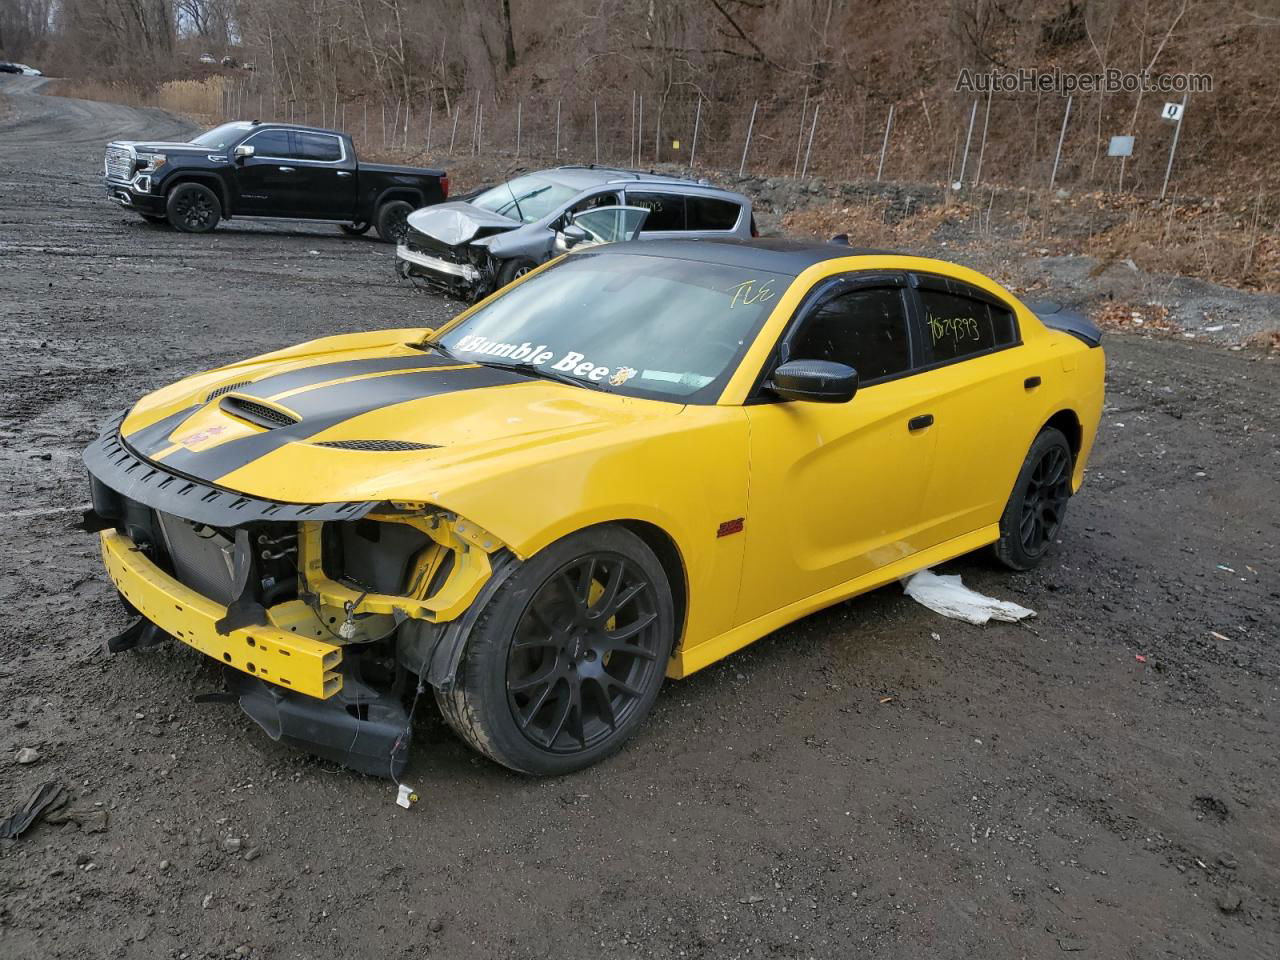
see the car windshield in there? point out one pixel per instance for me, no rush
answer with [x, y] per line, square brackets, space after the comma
[219, 138]
[626, 323]
[525, 198]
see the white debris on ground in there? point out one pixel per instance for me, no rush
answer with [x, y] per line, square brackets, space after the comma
[951, 598]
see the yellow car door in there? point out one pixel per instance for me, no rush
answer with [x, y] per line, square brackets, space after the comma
[837, 488]
[984, 385]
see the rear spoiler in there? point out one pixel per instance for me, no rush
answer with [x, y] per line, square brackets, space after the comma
[1067, 321]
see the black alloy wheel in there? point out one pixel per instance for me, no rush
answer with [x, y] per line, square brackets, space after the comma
[193, 208]
[584, 653]
[1045, 501]
[393, 220]
[1036, 509]
[566, 657]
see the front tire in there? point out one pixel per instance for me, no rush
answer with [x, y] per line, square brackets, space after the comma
[393, 220]
[1038, 505]
[513, 270]
[567, 657]
[193, 208]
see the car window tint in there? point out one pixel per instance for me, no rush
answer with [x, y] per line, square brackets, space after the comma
[609, 199]
[319, 146]
[961, 326]
[666, 210]
[866, 329]
[271, 143]
[711, 213]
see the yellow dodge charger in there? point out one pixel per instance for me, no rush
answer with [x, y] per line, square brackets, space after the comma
[626, 465]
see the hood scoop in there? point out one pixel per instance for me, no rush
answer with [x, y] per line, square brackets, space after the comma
[226, 388]
[376, 446]
[259, 414]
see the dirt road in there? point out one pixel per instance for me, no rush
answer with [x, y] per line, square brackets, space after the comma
[874, 781]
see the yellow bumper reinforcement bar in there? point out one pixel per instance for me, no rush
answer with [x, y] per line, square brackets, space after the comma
[278, 653]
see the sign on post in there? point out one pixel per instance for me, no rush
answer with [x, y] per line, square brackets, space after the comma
[1172, 113]
[1120, 147]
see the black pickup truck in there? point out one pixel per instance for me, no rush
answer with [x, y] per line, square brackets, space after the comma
[277, 170]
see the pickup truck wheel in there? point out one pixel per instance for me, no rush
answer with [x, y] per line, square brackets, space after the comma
[155, 218]
[1038, 504]
[194, 208]
[567, 656]
[355, 229]
[393, 220]
[514, 269]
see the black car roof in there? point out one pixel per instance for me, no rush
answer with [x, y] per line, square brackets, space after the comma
[772, 254]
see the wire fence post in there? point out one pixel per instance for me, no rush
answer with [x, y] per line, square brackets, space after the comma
[457, 112]
[657, 136]
[384, 124]
[640, 133]
[982, 151]
[631, 152]
[804, 171]
[804, 109]
[519, 124]
[1173, 147]
[742, 167]
[405, 144]
[697, 120]
[884, 147]
[364, 137]
[964, 159]
[595, 119]
[431, 116]
[479, 127]
[1062, 135]
[557, 129]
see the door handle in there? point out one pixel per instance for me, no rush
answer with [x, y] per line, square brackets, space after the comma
[286, 169]
[1031, 383]
[920, 422]
[344, 173]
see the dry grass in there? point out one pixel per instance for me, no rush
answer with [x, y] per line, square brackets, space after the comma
[201, 100]
[869, 225]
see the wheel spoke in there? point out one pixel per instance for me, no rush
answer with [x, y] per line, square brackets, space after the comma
[554, 729]
[604, 703]
[630, 630]
[604, 607]
[536, 705]
[528, 683]
[626, 596]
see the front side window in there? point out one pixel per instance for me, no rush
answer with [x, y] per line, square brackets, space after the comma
[625, 323]
[611, 224]
[525, 198]
[272, 144]
[319, 146]
[666, 210]
[865, 329]
[959, 326]
[608, 199]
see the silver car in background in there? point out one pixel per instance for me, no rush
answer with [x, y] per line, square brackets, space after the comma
[472, 246]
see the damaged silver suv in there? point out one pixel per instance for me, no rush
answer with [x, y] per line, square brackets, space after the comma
[472, 246]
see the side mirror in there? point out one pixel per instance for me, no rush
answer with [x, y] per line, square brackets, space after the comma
[820, 381]
[574, 234]
[244, 150]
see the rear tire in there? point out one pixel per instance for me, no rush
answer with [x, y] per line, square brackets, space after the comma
[358, 229]
[513, 270]
[567, 656]
[1033, 516]
[193, 208]
[393, 220]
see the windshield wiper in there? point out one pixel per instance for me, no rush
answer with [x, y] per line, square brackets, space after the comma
[516, 201]
[543, 373]
[438, 347]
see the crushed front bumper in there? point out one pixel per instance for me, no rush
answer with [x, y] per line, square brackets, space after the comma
[279, 653]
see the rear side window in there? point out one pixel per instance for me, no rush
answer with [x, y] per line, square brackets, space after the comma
[866, 329]
[319, 146]
[272, 143]
[666, 210]
[960, 326]
[711, 213]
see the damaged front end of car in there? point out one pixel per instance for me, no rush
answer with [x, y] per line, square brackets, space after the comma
[326, 618]
[448, 248]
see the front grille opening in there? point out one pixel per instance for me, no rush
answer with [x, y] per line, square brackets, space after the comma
[256, 413]
[376, 446]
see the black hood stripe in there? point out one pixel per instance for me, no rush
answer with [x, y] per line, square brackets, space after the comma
[278, 383]
[327, 407]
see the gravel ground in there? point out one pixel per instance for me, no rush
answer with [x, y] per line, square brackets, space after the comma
[873, 781]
